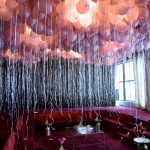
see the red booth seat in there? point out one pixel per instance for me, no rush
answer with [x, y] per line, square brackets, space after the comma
[117, 118]
[9, 143]
[25, 145]
[60, 117]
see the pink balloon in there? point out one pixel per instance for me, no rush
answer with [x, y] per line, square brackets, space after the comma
[71, 36]
[141, 1]
[31, 3]
[22, 28]
[141, 23]
[68, 43]
[34, 35]
[139, 46]
[104, 26]
[48, 31]
[62, 34]
[147, 38]
[146, 45]
[135, 23]
[112, 2]
[36, 14]
[132, 15]
[31, 20]
[53, 42]
[95, 21]
[5, 14]
[121, 26]
[94, 47]
[105, 33]
[136, 32]
[93, 39]
[18, 40]
[38, 27]
[43, 45]
[82, 7]
[20, 1]
[122, 51]
[61, 8]
[143, 12]
[24, 10]
[105, 53]
[16, 20]
[1, 43]
[128, 31]
[51, 22]
[44, 38]
[102, 6]
[11, 4]
[123, 38]
[68, 26]
[101, 41]
[56, 1]
[114, 36]
[77, 24]
[122, 8]
[61, 20]
[9, 31]
[4, 25]
[44, 6]
[145, 20]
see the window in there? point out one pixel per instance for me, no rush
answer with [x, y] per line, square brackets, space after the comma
[125, 81]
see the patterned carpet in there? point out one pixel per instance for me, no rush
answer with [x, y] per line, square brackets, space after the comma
[51, 142]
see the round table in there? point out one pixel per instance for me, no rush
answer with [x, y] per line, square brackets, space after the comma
[142, 143]
[46, 129]
[97, 123]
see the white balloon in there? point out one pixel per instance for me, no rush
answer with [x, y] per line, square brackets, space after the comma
[71, 3]
[72, 15]
[85, 20]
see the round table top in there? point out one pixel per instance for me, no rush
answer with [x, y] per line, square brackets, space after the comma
[97, 120]
[141, 140]
[46, 124]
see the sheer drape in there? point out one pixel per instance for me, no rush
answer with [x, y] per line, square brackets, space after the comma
[140, 80]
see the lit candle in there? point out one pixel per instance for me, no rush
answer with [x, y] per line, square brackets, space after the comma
[134, 128]
[128, 132]
[121, 138]
[140, 123]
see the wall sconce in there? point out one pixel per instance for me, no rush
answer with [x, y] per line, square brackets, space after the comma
[140, 123]
[121, 138]
[51, 139]
[128, 133]
[134, 128]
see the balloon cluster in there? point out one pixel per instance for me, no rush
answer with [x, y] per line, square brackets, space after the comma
[87, 31]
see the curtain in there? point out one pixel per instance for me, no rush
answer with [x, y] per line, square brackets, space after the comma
[140, 80]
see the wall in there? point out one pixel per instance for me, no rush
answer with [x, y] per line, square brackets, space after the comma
[56, 84]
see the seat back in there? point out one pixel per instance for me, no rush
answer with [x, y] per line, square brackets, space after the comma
[19, 122]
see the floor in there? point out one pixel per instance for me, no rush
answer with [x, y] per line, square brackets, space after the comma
[51, 142]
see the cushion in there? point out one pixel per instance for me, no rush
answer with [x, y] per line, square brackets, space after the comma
[21, 144]
[13, 138]
[9, 143]
[19, 123]
[4, 147]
